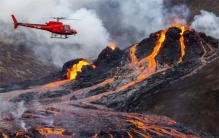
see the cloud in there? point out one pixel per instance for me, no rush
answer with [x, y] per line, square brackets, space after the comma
[206, 22]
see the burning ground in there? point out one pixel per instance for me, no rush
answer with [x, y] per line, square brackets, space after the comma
[92, 99]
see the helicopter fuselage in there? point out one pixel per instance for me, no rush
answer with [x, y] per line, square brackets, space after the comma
[54, 27]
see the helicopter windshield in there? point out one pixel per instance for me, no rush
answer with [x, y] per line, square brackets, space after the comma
[66, 28]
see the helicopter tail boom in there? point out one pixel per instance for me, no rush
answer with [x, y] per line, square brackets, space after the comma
[15, 22]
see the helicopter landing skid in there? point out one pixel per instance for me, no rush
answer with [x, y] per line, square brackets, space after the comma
[58, 36]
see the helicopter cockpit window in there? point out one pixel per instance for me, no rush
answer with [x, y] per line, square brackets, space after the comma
[66, 28]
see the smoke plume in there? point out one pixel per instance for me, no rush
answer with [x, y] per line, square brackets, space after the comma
[206, 22]
[18, 111]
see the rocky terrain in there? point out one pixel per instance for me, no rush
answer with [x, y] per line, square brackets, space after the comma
[91, 99]
[18, 63]
[189, 100]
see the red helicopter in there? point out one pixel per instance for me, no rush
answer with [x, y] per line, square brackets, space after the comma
[55, 27]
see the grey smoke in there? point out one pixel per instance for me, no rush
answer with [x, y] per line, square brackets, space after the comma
[133, 20]
[38, 106]
[23, 125]
[18, 110]
[179, 14]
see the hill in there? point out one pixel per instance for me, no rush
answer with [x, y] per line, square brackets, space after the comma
[192, 101]
[18, 63]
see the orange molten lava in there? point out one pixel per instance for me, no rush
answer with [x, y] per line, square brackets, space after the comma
[95, 136]
[182, 44]
[151, 58]
[160, 131]
[151, 63]
[21, 134]
[112, 46]
[134, 59]
[130, 136]
[50, 131]
[54, 84]
[4, 136]
[73, 72]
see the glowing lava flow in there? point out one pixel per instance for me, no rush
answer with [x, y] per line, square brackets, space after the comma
[146, 66]
[130, 136]
[147, 71]
[51, 131]
[134, 59]
[151, 58]
[54, 84]
[73, 72]
[182, 44]
[4, 136]
[160, 131]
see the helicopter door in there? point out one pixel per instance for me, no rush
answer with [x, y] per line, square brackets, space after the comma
[66, 28]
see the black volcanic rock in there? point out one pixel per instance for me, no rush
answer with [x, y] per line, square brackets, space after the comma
[108, 56]
[18, 63]
[210, 40]
[192, 101]
[170, 51]
[145, 47]
[194, 48]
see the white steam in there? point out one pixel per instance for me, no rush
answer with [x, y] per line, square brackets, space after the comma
[206, 22]
[92, 37]
[37, 106]
[144, 15]
[18, 111]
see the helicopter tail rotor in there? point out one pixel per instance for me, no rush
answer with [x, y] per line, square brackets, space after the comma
[15, 21]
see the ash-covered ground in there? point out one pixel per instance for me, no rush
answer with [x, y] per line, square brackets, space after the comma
[93, 99]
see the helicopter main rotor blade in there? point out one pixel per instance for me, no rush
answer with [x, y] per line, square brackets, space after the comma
[58, 17]
[63, 18]
[71, 19]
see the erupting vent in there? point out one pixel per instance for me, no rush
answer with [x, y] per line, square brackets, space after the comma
[112, 46]
[72, 72]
